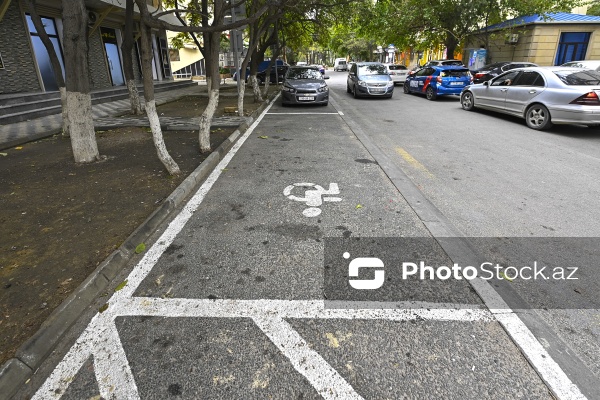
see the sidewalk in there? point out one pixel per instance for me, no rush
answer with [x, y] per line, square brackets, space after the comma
[106, 116]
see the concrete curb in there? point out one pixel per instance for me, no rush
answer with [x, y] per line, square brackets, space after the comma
[34, 351]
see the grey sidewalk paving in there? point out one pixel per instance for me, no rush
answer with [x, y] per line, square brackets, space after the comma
[106, 116]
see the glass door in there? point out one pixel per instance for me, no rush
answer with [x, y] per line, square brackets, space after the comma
[41, 54]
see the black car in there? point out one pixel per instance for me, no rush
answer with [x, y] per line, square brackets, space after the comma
[492, 70]
[275, 76]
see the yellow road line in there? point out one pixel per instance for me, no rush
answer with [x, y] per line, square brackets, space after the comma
[413, 162]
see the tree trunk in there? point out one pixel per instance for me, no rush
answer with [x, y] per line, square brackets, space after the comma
[451, 44]
[241, 99]
[255, 89]
[213, 81]
[78, 98]
[127, 50]
[157, 136]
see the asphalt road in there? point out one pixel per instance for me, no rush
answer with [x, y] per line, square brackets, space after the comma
[238, 297]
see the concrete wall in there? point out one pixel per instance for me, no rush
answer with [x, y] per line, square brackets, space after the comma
[19, 73]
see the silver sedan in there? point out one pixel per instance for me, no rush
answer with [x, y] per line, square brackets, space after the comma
[542, 95]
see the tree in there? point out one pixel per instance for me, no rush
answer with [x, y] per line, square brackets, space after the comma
[446, 22]
[78, 97]
[127, 50]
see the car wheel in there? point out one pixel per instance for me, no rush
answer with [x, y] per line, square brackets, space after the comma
[354, 92]
[406, 88]
[430, 93]
[538, 117]
[466, 101]
[348, 88]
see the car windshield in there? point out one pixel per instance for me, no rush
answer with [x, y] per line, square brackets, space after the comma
[396, 67]
[492, 66]
[579, 78]
[373, 69]
[304, 73]
[454, 73]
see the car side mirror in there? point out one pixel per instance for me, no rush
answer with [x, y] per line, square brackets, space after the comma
[486, 83]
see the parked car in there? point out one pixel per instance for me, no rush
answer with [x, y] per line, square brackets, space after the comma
[491, 70]
[320, 68]
[261, 68]
[438, 81]
[304, 85]
[433, 63]
[340, 64]
[542, 95]
[397, 72]
[590, 64]
[369, 79]
[276, 75]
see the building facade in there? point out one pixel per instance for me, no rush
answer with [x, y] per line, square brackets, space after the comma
[25, 65]
[544, 40]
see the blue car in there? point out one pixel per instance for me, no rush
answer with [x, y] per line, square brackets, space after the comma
[439, 80]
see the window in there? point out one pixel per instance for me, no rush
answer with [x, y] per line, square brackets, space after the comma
[505, 79]
[572, 47]
[529, 78]
[41, 54]
[586, 77]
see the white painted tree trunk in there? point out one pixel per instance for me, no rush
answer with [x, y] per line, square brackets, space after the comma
[206, 120]
[134, 98]
[266, 89]
[65, 115]
[157, 138]
[255, 89]
[81, 127]
[242, 90]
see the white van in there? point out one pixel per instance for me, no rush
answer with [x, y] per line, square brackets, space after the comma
[340, 64]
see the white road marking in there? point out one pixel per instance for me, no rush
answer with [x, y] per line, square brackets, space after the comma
[322, 376]
[313, 197]
[113, 373]
[340, 113]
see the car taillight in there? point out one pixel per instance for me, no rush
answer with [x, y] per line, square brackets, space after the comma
[588, 99]
[439, 79]
[479, 75]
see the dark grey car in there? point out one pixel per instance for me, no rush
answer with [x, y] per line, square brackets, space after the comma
[369, 79]
[304, 85]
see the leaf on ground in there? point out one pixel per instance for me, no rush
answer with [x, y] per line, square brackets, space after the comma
[19, 148]
[358, 206]
[121, 285]
[263, 137]
[505, 277]
[140, 248]
[103, 308]
[3, 154]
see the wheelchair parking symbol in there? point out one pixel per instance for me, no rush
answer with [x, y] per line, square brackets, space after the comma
[313, 197]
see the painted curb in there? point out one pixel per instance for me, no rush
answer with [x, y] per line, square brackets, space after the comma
[30, 356]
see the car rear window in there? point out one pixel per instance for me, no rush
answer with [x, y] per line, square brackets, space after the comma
[452, 63]
[374, 69]
[456, 73]
[341, 62]
[397, 67]
[579, 78]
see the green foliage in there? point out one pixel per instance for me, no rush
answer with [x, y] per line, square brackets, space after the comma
[594, 8]
[140, 248]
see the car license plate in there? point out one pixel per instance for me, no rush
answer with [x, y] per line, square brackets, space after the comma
[456, 83]
[377, 90]
[305, 98]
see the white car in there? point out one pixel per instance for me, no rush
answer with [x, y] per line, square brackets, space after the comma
[397, 72]
[543, 96]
